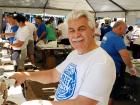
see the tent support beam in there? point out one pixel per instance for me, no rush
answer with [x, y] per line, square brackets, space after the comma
[118, 5]
[20, 7]
[45, 6]
[107, 11]
[92, 8]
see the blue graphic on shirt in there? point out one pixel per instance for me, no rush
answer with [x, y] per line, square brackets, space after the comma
[67, 85]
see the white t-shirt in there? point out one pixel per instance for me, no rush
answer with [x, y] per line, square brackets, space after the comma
[63, 28]
[112, 23]
[127, 37]
[137, 33]
[32, 28]
[22, 34]
[8, 28]
[91, 75]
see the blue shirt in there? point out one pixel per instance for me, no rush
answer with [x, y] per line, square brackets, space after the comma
[40, 29]
[13, 29]
[104, 30]
[112, 44]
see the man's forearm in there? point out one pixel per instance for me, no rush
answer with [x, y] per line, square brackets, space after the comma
[77, 101]
[126, 58]
[127, 61]
[43, 35]
[47, 76]
[9, 34]
[16, 45]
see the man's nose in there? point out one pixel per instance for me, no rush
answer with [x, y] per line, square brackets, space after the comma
[77, 34]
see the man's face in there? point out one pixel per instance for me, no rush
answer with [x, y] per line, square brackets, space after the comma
[12, 21]
[38, 21]
[123, 29]
[80, 35]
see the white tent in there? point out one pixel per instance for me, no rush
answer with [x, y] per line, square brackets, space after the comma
[106, 8]
[97, 6]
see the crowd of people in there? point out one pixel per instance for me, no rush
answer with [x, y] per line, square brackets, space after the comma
[131, 36]
[24, 35]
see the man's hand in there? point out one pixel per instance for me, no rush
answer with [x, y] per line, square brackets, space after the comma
[2, 35]
[133, 71]
[19, 77]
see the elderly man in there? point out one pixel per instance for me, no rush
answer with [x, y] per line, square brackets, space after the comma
[113, 43]
[86, 76]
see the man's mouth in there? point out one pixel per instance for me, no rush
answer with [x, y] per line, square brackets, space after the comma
[77, 39]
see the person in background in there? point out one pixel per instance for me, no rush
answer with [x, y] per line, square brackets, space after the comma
[52, 20]
[84, 76]
[136, 42]
[97, 31]
[14, 27]
[4, 22]
[41, 30]
[62, 30]
[19, 46]
[32, 37]
[128, 38]
[113, 22]
[7, 27]
[50, 30]
[114, 45]
[62, 33]
[102, 25]
[106, 28]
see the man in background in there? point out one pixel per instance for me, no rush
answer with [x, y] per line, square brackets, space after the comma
[113, 44]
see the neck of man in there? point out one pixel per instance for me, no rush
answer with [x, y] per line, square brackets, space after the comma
[22, 25]
[91, 47]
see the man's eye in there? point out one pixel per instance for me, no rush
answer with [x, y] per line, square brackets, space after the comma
[71, 31]
[81, 29]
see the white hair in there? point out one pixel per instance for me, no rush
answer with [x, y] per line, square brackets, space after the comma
[75, 14]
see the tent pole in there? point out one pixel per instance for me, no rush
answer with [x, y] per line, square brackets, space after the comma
[45, 7]
[92, 8]
[117, 5]
[126, 12]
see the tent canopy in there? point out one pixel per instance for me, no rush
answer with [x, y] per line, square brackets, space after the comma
[91, 5]
[129, 9]
[101, 8]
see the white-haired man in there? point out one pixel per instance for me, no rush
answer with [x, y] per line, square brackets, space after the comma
[86, 76]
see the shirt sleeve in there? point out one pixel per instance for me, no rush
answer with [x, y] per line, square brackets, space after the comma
[43, 28]
[14, 29]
